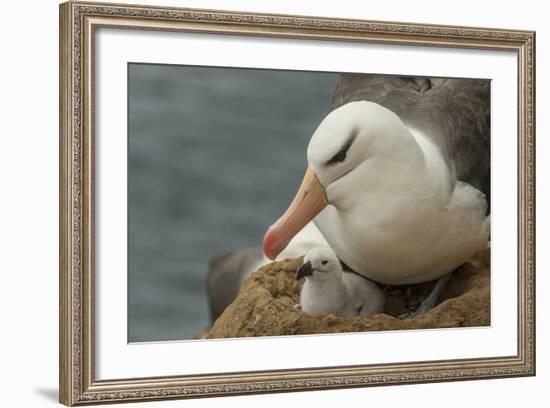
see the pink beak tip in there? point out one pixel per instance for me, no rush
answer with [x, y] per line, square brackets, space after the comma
[267, 244]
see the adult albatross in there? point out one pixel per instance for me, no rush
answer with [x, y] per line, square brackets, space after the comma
[401, 181]
[398, 179]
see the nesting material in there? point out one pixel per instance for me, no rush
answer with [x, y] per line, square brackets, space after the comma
[265, 305]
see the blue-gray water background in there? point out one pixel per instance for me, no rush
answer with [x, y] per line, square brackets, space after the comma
[215, 155]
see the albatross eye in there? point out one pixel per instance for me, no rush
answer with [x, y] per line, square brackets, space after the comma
[324, 262]
[338, 157]
[341, 155]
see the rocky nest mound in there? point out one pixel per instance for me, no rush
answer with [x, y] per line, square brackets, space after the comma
[265, 305]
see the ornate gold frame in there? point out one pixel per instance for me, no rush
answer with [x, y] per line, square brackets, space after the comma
[78, 22]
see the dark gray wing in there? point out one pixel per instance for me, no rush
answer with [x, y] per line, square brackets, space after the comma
[454, 113]
[225, 275]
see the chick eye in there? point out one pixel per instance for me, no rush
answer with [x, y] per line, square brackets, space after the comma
[324, 262]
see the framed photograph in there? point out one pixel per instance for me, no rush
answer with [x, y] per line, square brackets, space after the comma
[255, 203]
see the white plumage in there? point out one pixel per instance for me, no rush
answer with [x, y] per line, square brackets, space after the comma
[384, 199]
[397, 215]
[329, 289]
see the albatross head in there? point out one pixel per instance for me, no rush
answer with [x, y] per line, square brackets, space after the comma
[355, 148]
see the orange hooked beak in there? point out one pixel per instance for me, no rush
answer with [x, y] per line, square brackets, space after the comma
[308, 202]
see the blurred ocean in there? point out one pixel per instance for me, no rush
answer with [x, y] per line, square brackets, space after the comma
[215, 155]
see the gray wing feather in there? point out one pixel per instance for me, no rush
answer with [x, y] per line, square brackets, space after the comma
[454, 113]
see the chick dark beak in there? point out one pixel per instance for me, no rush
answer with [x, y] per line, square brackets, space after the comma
[304, 270]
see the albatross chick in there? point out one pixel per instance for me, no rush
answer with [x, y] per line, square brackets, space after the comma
[328, 288]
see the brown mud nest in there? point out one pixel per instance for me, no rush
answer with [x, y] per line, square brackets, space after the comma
[265, 305]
